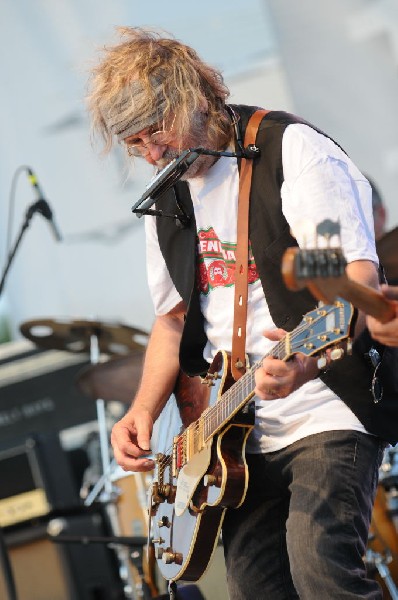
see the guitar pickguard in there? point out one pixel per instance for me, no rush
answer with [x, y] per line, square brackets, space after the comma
[189, 478]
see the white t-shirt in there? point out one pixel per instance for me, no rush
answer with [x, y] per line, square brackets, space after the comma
[320, 182]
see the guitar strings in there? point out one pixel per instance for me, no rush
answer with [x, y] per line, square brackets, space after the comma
[239, 389]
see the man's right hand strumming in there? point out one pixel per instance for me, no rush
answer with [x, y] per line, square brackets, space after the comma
[132, 434]
[131, 440]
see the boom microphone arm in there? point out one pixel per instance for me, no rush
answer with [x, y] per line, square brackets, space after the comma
[168, 176]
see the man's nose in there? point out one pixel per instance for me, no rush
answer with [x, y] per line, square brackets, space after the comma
[154, 153]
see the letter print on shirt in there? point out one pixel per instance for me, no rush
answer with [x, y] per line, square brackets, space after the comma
[217, 262]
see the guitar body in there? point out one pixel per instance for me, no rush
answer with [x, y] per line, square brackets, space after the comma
[186, 521]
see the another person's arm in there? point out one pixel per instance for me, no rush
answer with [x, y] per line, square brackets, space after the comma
[386, 333]
[131, 435]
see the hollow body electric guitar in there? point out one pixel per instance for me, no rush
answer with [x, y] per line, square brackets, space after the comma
[205, 472]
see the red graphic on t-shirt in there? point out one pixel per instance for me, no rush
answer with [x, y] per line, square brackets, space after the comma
[217, 262]
[217, 273]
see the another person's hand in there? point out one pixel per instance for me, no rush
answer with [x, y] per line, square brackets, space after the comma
[277, 378]
[131, 440]
[386, 333]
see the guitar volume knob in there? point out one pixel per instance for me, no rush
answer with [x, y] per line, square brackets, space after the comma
[169, 557]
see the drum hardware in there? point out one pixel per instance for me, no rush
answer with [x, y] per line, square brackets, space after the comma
[102, 382]
[115, 339]
[388, 479]
[119, 499]
[392, 505]
[388, 473]
[116, 379]
[6, 567]
[108, 494]
[134, 545]
[378, 561]
[382, 553]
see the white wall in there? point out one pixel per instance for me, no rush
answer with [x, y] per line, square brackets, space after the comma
[341, 62]
[46, 47]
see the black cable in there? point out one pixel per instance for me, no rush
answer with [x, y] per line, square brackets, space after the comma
[7, 569]
[11, 205]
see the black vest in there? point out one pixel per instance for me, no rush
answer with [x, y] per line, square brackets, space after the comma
[350, 378]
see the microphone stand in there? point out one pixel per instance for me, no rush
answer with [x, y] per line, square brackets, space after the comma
[38, 206]
[4, 558]
[7, 569]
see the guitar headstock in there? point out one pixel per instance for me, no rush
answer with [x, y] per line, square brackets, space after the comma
[322, 328]
[323, 271]
[318, 267]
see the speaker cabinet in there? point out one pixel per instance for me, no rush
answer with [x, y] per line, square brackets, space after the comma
[45, 570]
[36, 479]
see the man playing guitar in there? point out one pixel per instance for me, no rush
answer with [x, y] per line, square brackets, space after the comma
[313, 455]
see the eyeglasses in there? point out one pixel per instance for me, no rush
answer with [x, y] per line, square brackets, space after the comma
[158, 138]
[376, 386]
[137, 147]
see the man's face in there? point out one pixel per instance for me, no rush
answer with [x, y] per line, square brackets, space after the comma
[152, 144]
[159, 147]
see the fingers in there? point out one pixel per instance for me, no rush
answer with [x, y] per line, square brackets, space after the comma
[278, 379]
[130, 440]
[274, 334]
[386, 333]
[390, 291]
[270, 379]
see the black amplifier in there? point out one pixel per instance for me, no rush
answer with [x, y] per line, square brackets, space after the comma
[38, 391]
[36, 480]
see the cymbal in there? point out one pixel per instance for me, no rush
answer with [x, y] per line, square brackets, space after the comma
[77, 335]
[116, 379]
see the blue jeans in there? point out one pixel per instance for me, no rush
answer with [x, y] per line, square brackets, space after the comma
[302, 530]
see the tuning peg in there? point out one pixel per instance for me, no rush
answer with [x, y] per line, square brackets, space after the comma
[322, 362]
[336, 353]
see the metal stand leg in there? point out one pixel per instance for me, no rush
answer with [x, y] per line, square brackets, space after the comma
[5, 564]
[105, 483]
[172, 589]
[379, 562]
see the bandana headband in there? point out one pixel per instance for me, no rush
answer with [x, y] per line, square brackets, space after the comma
[129, 113]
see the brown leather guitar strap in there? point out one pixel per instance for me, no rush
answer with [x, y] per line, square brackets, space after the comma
[238, 359]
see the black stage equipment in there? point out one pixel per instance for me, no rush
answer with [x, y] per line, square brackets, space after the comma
[38, 391]
[44, 570]
[36, 480]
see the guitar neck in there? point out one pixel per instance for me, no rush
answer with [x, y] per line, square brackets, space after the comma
[235, 398]
[367, 299]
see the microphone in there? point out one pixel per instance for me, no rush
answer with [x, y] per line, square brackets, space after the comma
[163, 181]
[42, 205]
